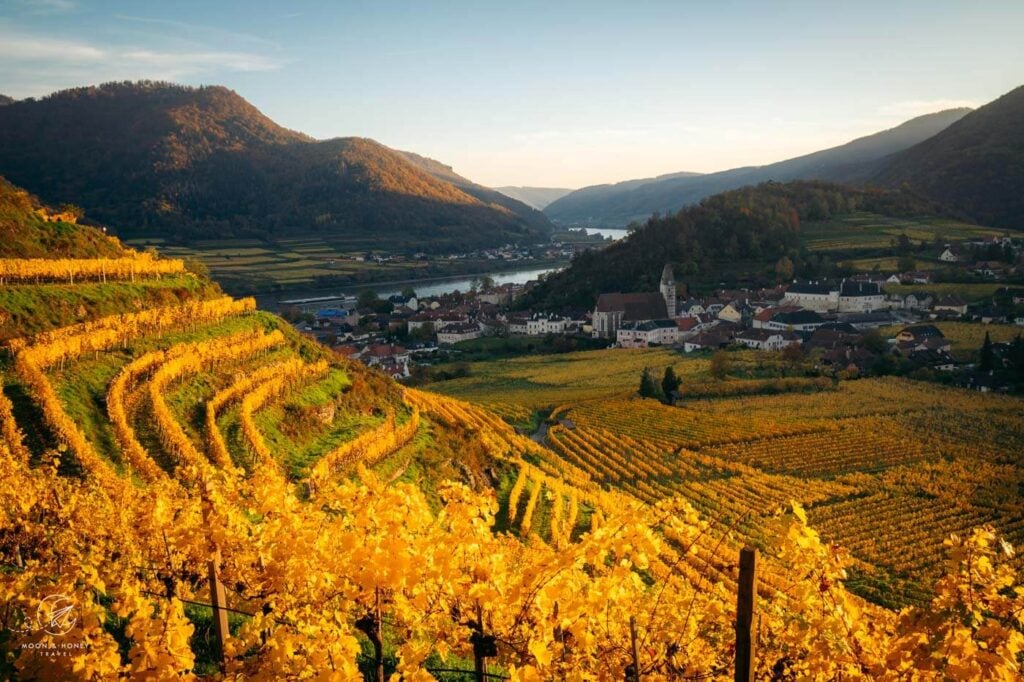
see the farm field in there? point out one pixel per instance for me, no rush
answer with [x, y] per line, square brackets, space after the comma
[869, 459]
[870, 231]
[966, 337]
[250, 265]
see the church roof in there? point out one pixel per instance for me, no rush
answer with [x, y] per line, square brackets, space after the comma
[666, 275]
[635, 307]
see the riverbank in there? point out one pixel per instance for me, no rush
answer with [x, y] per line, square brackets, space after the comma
[424, 286]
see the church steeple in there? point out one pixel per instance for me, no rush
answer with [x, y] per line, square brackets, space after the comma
[668, 289]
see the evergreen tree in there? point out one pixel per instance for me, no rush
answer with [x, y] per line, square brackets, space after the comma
[669, 383]
[1016, 358]
[648, 386]
[988, 359]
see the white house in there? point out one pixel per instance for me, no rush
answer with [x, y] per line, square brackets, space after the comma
[643, 334]
[792, 320]
[454, 333]
[389, 358]
[541, 325]
[518, 326]
[767, 339]
[948, 256]
[950, 303]
[731, 313]
[860, 297]
[821, 297]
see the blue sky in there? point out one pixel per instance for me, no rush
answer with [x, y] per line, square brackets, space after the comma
[544, 93]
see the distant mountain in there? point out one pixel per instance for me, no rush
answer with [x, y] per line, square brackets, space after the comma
[4, 99]
[975, 166]
[538, 197]
[620, 204]
[599, 205]
[529, 213]
[157, 159]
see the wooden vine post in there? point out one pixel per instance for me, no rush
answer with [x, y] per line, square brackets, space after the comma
[746, 603]
[218, 601]
[370, 625]
[633, 671]
[484, 647]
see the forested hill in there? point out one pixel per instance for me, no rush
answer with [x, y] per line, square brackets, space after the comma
[752, 227]
[163, 160]
[975, 166]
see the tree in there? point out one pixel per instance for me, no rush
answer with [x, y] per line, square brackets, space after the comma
[720, 364]
[987, 361]
[1016, 358]
[793, 354]
[784, 269]
[872, 340]
[648, 386]
[903, 245]
[906, 263]
[669, 383]
[367, 298]
[408, 293]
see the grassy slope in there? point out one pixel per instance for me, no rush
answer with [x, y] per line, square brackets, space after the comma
[30, 309]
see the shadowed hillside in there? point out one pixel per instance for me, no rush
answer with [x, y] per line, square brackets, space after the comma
[975, 166]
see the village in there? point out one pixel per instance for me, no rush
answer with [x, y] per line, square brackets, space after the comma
[832, 318]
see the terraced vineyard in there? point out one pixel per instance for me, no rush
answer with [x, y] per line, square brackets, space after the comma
[853, 456]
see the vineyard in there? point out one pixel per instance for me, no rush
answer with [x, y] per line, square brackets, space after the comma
[864, 459]
[216, 495]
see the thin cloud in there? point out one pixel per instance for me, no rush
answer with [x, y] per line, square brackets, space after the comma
[191, 29]
[199, 62]
[47, 6]
[920, 107]
[35, 65]
[17, 48]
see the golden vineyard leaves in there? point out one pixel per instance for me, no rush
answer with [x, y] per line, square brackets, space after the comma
[301, 569]
[81, 269]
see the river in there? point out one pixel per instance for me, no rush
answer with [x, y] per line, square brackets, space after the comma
[614, 233]
[435, 286]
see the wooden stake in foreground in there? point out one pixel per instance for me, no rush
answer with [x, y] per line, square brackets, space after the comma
[218, 600]
[746, 600]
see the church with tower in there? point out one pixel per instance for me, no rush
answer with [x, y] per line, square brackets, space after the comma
[615, 310]
[668, 290]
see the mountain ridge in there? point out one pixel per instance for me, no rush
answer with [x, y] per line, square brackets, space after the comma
[975, 166]
[157, 159]
[537, 197]
[635, 200]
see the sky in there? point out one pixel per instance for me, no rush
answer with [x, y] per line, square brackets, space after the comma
[552, 94]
